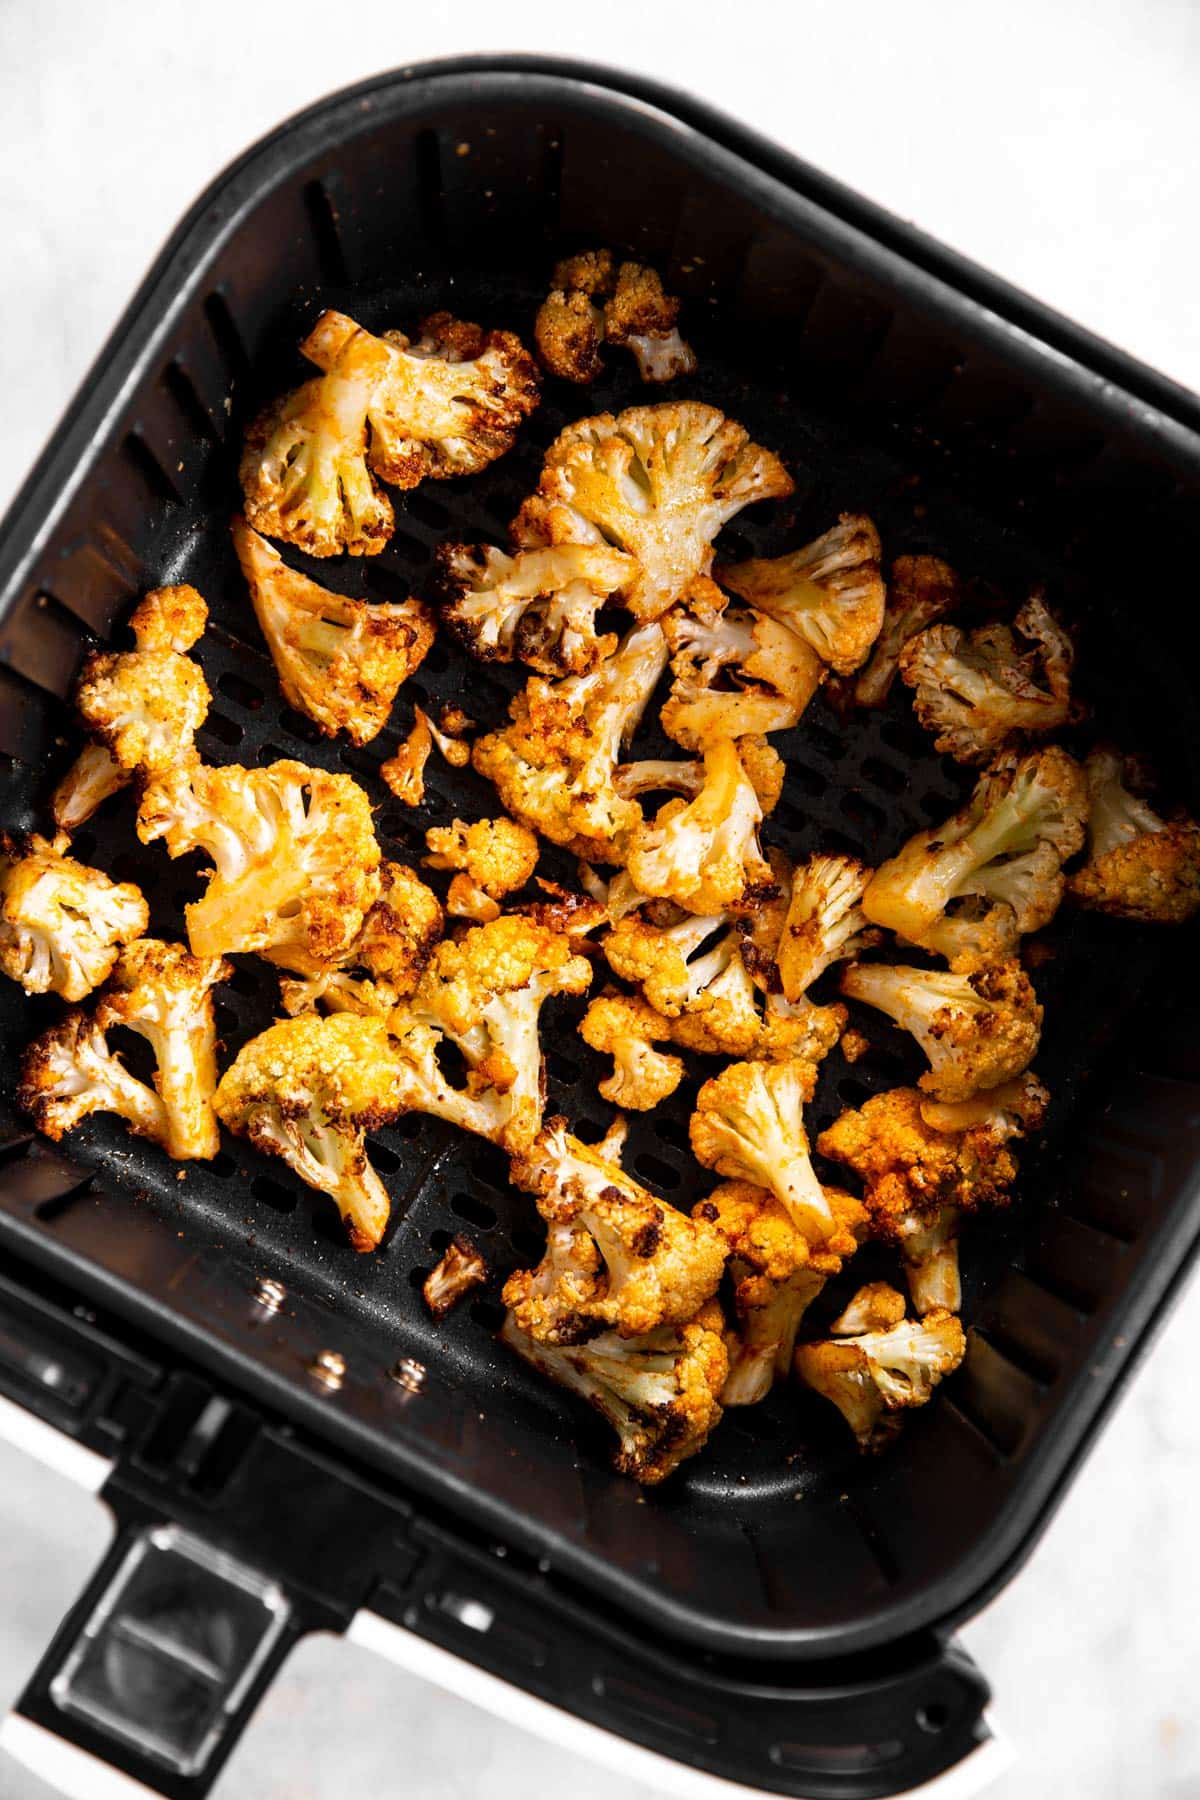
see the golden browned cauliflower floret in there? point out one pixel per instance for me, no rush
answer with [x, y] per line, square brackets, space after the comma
[627, 1029]
[830, 593]
[296, 864]
[92, 778]
[736, 672]
[142, 708]
[694, 973]
[825, 922]
[539, 605]
[977, 1030]
[686, 775]
[448, 404]
[981, 690]
[309, 1090]
[776, 1276]
[340, 662]
[704, 853]
[460, 1268]
[484, 995]
[404, 770]
[658, 482]
[922, 589]
[70, 1071]
[923, 1164]
[61, 922]
[1138, 866]
[304, 470]
[873, 1371]
[651, 1265]
[593, 301]
[749, 1126]
[659, 1392]
[1005, 847]
[553, 764]
[164, 994]
[386, 959]
[494, 857]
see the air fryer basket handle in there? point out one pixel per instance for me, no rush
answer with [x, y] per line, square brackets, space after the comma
[156, 1670]
[985, 1754]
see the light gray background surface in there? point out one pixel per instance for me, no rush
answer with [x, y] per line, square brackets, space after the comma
[1055, 143]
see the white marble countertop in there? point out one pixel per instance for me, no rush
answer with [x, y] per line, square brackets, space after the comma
[1055, 144]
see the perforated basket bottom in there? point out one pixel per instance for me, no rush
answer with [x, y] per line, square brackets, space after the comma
[861, 785]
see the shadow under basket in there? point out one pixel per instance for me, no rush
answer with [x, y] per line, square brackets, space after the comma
[778, 1613]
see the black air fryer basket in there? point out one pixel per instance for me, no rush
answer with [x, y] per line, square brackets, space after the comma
[286, 1438]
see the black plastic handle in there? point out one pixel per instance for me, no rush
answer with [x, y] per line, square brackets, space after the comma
[159, 1665]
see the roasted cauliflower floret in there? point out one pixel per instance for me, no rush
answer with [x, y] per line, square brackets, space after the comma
[656, 1266]
[922, 589]
[1138, 866]
[627, 1029]
[142, 707]
[92, 778]
[164, 994]
[663, 960]
[749, 1126]
[694, 974]
[340, 662]
[494, 857]
[736, 672]
[830, 593]
[922, 1164]
[146, 705]
[460, 1268]
[1007, 845]
[981, 690]
[70, 1071]
[304, 470]
[977, 1030]
[448, 404]
[825, 922]
[658, 482]
[704, 853]
[776, 1276]
[61, 923]
[309, 1090]
[296, 864]
[873, 1372]
[539, 605]
[660, 1392]
[483, 995]
[404, 770]
[553, 765]
[386, 959]
[593, 301]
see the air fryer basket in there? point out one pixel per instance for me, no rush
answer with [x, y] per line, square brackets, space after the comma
[967, 424]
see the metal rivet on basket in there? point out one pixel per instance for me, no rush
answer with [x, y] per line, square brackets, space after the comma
[329, 1368]
[408, 1373]
[270, 1294]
